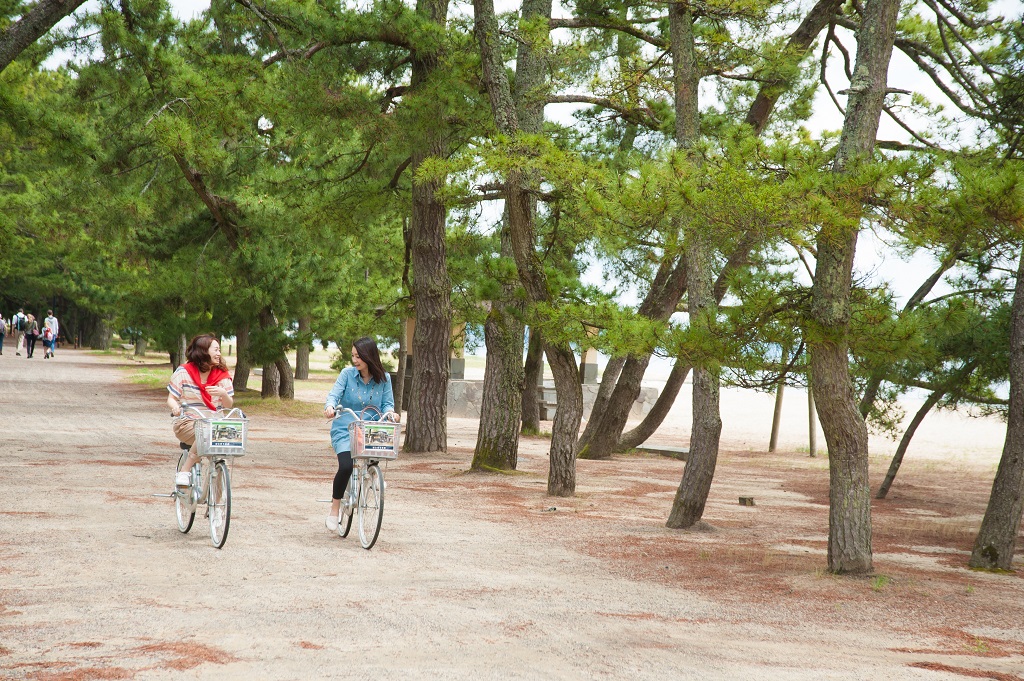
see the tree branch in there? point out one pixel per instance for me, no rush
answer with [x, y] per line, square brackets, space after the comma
[32, 25]
[641, 116]
[610, 24]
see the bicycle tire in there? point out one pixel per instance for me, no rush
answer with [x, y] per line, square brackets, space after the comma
[371, 506]
[184, 509]
[218, 502]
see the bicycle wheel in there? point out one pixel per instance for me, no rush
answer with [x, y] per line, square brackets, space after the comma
[371, 506]
[183, 506]
[219, 504]
[345, 523]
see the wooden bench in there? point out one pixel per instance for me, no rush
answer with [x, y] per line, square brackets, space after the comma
[664, 450]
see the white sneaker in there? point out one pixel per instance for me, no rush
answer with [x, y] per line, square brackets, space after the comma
[332, 523]
[182, 479]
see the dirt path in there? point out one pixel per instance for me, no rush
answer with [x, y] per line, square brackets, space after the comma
[474, 577]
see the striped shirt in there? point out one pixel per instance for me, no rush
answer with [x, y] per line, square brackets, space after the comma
[184, 388]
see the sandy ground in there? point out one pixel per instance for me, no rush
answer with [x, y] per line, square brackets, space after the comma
[474, 576]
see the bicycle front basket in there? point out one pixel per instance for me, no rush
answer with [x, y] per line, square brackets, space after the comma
[221, 437]
[375, 439]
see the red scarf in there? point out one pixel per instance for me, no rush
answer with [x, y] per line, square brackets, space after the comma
[216, 374]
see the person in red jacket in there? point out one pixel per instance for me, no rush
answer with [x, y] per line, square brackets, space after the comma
[202, 382]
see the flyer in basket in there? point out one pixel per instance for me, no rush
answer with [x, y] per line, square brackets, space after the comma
[379, 437]
[227, 434]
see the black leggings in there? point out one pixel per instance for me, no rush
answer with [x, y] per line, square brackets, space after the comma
[30, 344]
[342, 476]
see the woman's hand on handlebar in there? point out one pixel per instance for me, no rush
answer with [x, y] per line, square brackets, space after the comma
[329, 412]
[173, 405]
[392, 416]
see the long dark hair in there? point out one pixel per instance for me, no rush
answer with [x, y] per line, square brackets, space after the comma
[366, 348]
[198, 353]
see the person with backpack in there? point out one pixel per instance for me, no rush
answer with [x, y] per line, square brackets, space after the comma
[18, 323]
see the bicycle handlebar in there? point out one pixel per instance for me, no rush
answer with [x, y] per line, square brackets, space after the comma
[383, 416]
[233, 413]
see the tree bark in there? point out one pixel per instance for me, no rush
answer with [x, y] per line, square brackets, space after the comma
[32, 26]
[532, 372]
[497, 440]
[303, 349]
[427, 429]
[243, 363]
[692, 495]
[270, 386]
[98, 334]
[498, 436]
[518, 200]
[403, 356]
[994, 545]
[849, 544]
[286, 381]
[773, 440]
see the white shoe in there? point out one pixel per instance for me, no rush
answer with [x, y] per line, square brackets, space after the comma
[182, 479]
[332, 523]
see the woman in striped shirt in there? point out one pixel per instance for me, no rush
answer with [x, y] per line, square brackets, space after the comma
[202, 382]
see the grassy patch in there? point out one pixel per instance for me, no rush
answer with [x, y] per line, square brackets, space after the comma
[879, 582]
[256, 405]
[151, 377]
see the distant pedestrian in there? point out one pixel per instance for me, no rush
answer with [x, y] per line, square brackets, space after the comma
[51, 330]
[31, 335]
[18, 323]
[3, 332]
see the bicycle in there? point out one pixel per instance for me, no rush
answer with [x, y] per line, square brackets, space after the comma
[219, 439]
[372, 442]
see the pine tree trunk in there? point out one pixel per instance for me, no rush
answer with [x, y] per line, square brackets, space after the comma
[519, 203]
[286, 379]
[994, 545]
[497, 441]
[427, 429]
[849, 544]
[303, 349]
[566, 425]
[98, 333]
[532, 371]
[897, 459]
[140, 346]
[609, 379]
[692, 495]
[639, 435]
[428, 408]
[399, 386]
[270, 386]
[182, 348]
[498, 435]
[243, 363]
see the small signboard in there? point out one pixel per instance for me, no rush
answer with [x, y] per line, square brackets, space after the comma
[227, 434]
